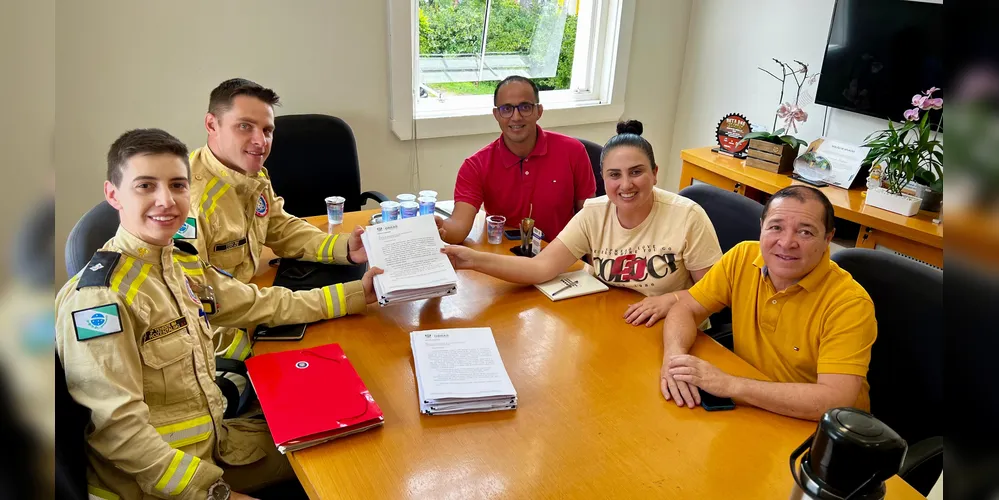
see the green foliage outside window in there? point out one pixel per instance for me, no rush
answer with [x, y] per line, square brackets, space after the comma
[449, 28]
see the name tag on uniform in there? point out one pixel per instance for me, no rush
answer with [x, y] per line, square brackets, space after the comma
[165, 329]
[221, 247]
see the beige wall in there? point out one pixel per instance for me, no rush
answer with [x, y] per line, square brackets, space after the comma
[727, 41]
[123, 65]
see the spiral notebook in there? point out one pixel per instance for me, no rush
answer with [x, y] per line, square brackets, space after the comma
[572, 284]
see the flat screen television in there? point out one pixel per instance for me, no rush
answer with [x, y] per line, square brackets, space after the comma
[879, 54]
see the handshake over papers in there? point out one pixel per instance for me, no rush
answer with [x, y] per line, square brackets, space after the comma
[409, 251]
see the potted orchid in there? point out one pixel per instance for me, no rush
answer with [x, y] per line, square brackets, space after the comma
[775, 151]
[901, 155]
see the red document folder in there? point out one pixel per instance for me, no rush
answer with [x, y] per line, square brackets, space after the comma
[310, 396]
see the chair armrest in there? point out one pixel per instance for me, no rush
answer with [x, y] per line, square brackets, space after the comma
[373, 195]
[231, 394]
[923, 464]
[230, 365]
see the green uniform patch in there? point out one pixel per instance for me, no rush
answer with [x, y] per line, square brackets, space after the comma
[96, 322]
[188, 231]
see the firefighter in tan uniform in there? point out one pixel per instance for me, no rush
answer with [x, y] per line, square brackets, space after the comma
[234, 211]
[134, 333]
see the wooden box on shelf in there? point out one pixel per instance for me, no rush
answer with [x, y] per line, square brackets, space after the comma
[776, 158]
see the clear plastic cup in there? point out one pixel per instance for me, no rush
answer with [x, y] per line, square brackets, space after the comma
[427, 205]
[405, 197]
[426, 193]
[494, 228]
[334, 209]
[390, 210]
[409, 209]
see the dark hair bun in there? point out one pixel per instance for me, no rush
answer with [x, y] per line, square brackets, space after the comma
[630, 127]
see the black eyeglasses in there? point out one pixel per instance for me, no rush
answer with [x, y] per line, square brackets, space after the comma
[525, 108]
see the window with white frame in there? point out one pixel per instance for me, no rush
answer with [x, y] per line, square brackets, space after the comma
[457, 51]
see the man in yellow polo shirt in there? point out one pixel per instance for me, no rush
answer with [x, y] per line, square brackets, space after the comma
[796, 316]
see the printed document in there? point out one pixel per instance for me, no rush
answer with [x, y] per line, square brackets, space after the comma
[460, 371]
[408, 250]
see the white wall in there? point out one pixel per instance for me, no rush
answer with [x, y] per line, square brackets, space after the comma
[727, 41]
[124, 65]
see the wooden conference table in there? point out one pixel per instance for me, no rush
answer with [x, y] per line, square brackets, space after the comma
[591, 422]
[915, 236]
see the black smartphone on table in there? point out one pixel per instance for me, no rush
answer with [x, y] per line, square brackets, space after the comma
[283, 332]
[710, 402]
[512, 234]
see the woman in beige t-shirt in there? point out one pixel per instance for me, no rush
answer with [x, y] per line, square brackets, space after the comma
[637, 235]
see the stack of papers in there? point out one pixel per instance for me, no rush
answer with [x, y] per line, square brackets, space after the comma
[409, 251]
[572, 284]
[311, 396]
[459, 370]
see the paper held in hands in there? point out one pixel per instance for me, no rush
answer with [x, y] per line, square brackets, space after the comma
[571, 284]
[409, 251]
[459, 370]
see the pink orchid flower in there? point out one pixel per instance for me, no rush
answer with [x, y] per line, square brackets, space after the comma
[918, 100]
[800, 115]
[931, 91]
[934, 103]
[912, 114]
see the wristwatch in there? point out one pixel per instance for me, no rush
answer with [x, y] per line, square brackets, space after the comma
[219, 491]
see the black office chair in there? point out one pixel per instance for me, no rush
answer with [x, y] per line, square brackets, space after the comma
[593, 150]
[906, 369]
[90, 233]
[735, 219]
[315, 156]
[70, 443]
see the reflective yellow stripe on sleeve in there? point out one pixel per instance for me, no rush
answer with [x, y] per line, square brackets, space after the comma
[322, 246]
[329, 303]
[187, 432]
[343, 299]
[95, 493]
[178, 474]
[239, 348]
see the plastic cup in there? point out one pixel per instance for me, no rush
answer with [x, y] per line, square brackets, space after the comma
[494, 228]
[405, 197]
[426, 193]
[390, 210]
[409, 209]
[427, 204]
[334, 209]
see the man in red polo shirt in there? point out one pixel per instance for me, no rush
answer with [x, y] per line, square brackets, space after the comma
[526, 170]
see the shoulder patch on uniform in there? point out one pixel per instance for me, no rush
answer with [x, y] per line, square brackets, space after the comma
[96, 322]
[98, 271]
[165, 329]
[188, 231]
[262, 206]
[185, 247]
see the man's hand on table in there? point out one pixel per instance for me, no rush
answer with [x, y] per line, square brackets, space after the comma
[681, 392]
[696, 372]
